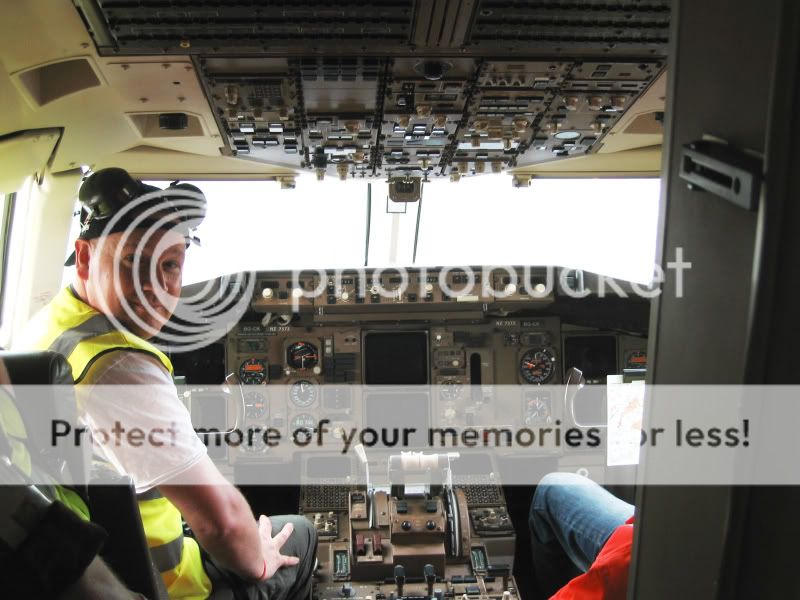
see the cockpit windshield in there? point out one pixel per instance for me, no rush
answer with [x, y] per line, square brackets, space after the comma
[606, 226]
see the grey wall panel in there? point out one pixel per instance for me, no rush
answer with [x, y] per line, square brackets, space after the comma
[720, 70]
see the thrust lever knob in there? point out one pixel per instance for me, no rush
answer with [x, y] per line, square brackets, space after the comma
[400, 578]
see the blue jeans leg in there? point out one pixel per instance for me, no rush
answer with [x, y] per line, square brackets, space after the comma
[571, 518]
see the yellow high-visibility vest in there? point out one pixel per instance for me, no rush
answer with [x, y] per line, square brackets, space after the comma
[81, 334]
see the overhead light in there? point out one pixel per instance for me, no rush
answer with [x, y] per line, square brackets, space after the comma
[567, 135]
[173, 121]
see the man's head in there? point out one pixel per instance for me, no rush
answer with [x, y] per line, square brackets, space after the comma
[130, 254]
[133, 277]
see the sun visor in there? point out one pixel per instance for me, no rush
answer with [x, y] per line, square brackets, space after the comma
[24, 153]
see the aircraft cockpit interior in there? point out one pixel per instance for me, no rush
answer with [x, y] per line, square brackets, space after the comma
[438, 251]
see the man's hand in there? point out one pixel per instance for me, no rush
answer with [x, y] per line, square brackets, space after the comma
[271, 546]
[220, 517]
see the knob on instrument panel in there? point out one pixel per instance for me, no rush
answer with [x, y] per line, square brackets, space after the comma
[400, 577]
[430, 578]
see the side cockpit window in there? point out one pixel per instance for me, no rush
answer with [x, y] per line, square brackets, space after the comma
[6, 212]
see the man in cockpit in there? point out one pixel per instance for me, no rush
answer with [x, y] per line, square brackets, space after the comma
[128, 262]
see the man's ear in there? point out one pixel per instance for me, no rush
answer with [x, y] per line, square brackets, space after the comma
[83, 253]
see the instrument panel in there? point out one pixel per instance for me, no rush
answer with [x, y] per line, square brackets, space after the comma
[296, 375]
[489, 360]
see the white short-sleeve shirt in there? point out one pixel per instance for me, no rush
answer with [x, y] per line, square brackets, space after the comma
[131, 406]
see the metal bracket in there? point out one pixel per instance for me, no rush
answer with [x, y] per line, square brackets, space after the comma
[723, 170]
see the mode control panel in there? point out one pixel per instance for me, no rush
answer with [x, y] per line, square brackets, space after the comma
[406, 291]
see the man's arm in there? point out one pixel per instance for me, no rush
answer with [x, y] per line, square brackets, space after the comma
[219, 516]
[224, 524]
[135, 390]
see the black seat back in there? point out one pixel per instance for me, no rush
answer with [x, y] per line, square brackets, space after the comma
[43, 396]
[115, 508]
[42, 392]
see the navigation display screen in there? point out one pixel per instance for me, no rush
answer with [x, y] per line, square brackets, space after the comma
[396, 358]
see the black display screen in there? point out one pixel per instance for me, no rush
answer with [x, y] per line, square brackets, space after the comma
[396, 358]
[595, 355]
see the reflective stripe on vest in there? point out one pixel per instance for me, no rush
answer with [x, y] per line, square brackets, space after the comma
[166, 556]
[71, 327]
[78, 332]
[176, 557]
[66, 343]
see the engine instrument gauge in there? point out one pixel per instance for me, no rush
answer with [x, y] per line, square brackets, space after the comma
[255, 405]
[537, 365]
[302, 355]
[303, 393]
[254, 444]
[301, 427]
[450, 390]
[253, 371]
[537, 408]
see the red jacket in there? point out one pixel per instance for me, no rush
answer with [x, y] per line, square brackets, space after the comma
[607, 578]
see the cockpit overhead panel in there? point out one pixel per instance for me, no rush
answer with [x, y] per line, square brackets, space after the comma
[387, 28]
[401, 89]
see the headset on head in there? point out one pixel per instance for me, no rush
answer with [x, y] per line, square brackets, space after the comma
[106, 192]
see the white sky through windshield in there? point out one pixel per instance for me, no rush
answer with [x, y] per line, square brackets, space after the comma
[607, 226]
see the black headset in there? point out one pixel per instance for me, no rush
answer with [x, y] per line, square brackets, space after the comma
[107, 191]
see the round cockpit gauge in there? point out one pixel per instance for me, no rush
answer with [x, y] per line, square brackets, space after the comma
[537, 365]
[255, 405]
[302, 355]
[303, 393]
[301, 428]
[254, 443]
[253, 371]
[537, 410]
[636, 360]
